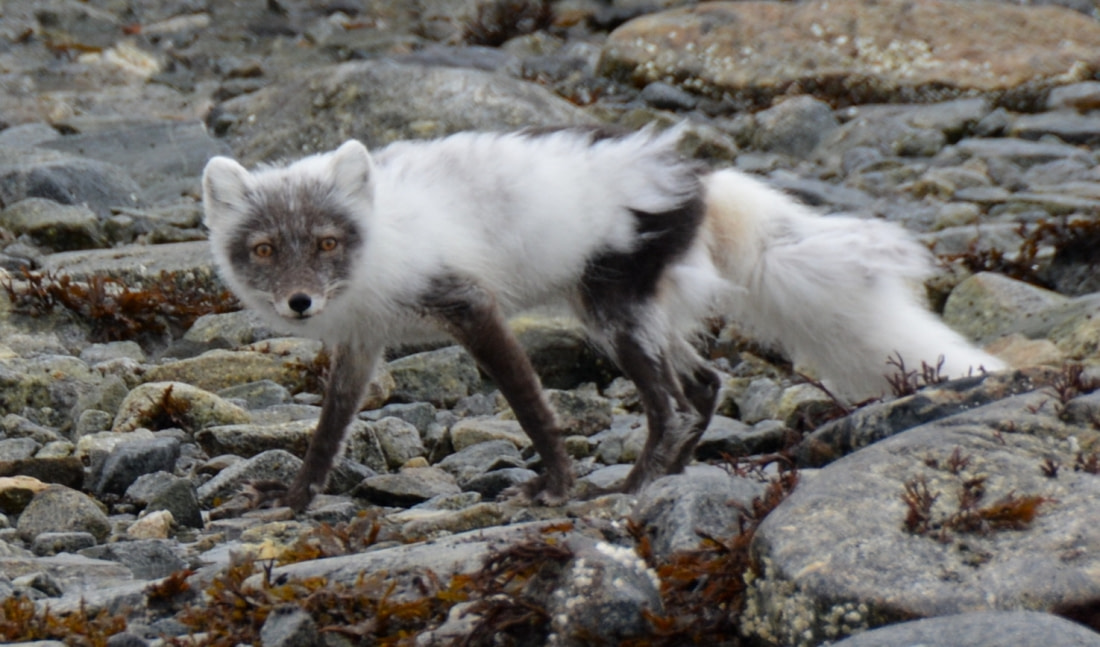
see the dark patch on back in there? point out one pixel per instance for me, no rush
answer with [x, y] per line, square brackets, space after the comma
[614, 282]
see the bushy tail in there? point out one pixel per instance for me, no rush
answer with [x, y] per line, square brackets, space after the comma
[839, 295]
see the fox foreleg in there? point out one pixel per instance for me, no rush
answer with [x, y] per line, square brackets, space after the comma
[350, 371]
[471, 314]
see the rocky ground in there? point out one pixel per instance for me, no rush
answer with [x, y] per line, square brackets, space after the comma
[137, 402]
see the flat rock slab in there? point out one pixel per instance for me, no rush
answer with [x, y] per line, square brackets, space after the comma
[983, 629]
[837, 557]
[189, 262]
[856, 51]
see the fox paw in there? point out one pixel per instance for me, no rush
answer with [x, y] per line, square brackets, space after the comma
[262, 494]
[543, 490]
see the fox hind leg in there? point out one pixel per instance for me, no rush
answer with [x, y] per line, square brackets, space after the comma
[674, 424]
[470, 313]
[700, 385]
[619, 301]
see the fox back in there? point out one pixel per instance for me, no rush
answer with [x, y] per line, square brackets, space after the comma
[522, 212]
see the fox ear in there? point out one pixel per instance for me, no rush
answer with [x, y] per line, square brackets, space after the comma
[224, 184]
[353, 170]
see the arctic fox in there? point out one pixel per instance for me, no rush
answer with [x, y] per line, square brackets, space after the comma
[454, 235]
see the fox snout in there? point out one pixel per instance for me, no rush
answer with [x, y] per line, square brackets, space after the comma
[299, 304]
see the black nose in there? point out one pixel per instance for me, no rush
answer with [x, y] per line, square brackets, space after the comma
[299, 302]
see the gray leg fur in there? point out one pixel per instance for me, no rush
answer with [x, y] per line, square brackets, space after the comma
[470, 313]
[349, 373]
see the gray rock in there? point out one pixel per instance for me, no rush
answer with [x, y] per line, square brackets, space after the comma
[1083, 409]
[623, 441]
[479, 404]
[419, 414]
[51, 384]
[677, 511]
[75, 575]
[560, 352]
[289, 625]
[160, 405]
[1068, 126]
[346, 475]
[53, 225]
[14, 449]
[64, 470]
[731, 437]
[582, 411]
[954, 118]
[1083, 96]
[189, 263]
[152, 153]
[41, 582]
[449, 501]
[383, 101]
[440, 377]
[821, 193]
[794, 127]
[1021, 152]
[251, 439]
[226, 330]
[475, 460]
[52, 543]
[83, 24]
[844, 537]
[1062, 172]
[271, 465]
[490, 484]
[888, 134]
[980, 629]
[60, 509]
[126, 639]
[93, 449]
[407, 487]
[986, 306]
[164, 491]
[400, 441]
[605, 590]
[664, 96]
[875, 422]
[602, 480]
[759, 400]
[65, 179]
[990, 305]
[147, 559]
[130, 460]
[262, 394]
[18, 427]
[98, 353]
[471, 431]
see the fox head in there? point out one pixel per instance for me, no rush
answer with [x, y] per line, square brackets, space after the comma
[286, 239]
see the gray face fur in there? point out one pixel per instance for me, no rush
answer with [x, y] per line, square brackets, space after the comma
[297, 244]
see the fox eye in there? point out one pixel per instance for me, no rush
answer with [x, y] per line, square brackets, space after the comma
[263, 250]
[328, 244]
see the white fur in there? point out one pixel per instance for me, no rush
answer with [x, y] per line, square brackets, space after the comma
[838, 294]
[525, 214]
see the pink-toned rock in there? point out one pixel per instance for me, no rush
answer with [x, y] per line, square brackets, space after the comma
[855, 51]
